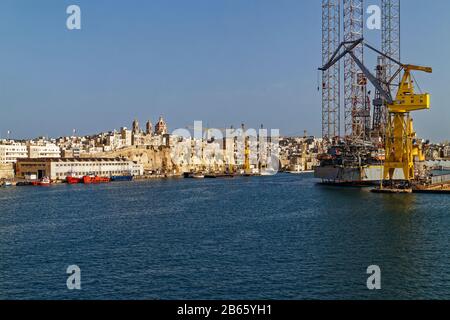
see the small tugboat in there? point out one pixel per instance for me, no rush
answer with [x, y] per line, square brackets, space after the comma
[43, 182]
[6, 184]
[95, 179]
[73, 180]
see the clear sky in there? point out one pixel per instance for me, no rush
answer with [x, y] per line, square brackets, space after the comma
[220, 61]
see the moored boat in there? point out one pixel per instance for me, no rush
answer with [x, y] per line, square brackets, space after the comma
[23, 183]
[6, 184]
[43, 182]
[191, 175]
[218, 176]
[95, 179]
[121, 178]
[73, 180]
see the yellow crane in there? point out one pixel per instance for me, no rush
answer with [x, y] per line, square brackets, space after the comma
[400, 135]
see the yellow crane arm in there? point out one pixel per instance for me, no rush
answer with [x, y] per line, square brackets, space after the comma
[411, 67]
[407, 100]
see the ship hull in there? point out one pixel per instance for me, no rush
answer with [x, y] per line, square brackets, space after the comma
[95, 180]
[40, 184]
[73, 180]
[353, 176]
[121, 178]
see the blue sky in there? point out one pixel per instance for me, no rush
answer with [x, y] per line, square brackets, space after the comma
[220, 61]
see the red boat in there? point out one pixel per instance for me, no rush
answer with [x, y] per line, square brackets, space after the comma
[73, 180]
[43, 182]
[95, 179]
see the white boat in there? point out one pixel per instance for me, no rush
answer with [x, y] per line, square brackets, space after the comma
[6, 184]
[45, 181]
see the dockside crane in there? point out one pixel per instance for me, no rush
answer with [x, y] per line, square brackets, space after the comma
[400, 144]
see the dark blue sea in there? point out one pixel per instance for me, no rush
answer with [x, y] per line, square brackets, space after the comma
[281, 237]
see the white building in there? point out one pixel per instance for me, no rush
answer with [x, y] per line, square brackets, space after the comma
[47, 150]
[10, 152]
[60, 168]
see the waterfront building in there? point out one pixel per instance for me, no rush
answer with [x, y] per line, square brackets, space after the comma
[10, 151]
[60, 168]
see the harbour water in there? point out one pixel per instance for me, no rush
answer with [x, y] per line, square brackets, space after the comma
[281, 237]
